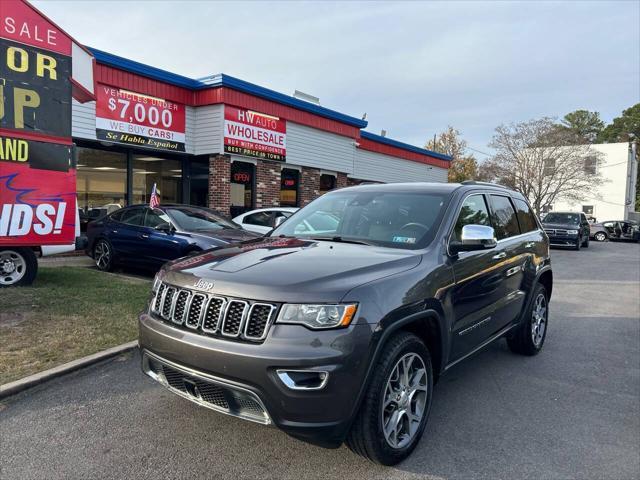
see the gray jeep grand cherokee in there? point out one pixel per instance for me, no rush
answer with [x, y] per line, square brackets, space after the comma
[335, 327]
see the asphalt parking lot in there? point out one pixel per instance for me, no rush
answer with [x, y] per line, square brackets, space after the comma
[571, 412]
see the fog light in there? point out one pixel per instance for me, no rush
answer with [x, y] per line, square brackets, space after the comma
[303, 379]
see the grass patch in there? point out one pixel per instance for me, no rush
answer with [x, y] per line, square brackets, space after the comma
[68, 313]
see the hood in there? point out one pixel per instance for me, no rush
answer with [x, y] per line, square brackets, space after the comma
[289, 269]
[563, 226]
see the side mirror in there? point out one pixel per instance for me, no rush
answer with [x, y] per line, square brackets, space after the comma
[474, 237]
[164, 227]
[279, 221]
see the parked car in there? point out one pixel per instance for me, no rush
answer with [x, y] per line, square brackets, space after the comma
[262, 220]
[145, 237]
[616, 230]
[567, 229]
[340, 336]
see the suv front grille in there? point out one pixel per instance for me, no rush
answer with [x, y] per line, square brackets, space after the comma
[555, 231]
[213, 315]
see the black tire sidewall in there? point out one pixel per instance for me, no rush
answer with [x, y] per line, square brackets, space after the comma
[385, 453]
[529, 345]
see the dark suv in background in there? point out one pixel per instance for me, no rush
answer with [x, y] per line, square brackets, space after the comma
[567, 229]
[340, 335]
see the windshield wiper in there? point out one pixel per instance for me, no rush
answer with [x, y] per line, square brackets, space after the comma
[343, 240]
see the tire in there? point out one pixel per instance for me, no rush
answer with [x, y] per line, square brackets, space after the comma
[600, 237]
[367, 435]
[529, 337]
[18, 267]
[577, 245]
[103, 255]
[585, 244]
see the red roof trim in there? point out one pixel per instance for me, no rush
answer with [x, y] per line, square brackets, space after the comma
[372, 146]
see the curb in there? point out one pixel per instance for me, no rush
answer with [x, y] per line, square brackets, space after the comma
[12, 388]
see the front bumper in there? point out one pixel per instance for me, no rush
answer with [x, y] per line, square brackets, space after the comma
[562, 240]
[242, 371]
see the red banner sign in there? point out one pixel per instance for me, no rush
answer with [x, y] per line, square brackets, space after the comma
[137, 119]
[254, 134]
[37, 175]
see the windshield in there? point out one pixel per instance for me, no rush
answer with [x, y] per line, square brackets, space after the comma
[570, 218]
[198, 219]
[390, 219]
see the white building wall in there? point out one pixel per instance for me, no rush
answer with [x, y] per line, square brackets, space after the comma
[83, 120]
[309, 147]
[615, 197]
[208, 129]
[378, 167]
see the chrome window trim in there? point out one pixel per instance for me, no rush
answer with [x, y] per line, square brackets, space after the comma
[242, 319]
[267, 325]
[223, 308]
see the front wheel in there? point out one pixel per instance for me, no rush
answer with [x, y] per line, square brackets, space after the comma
[600, 236]
[578, 244]
[18, 267]
[531, 333]
[585, 244]
[397, 402]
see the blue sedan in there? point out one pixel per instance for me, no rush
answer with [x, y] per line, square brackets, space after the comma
[144, 237]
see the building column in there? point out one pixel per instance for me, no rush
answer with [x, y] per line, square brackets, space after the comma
[219, 184]
[267, 184]
[309, 185]
[341, 180]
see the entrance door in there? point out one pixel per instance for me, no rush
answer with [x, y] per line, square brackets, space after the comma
[242, 188]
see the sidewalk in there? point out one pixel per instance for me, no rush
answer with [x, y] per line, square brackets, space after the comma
[66, 261]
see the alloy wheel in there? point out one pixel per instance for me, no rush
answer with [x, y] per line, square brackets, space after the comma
[12, 267]
[405, 400]
[102, 254]
[601, 237]
[539, 319]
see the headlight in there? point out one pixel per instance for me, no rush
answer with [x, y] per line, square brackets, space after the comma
[158, 280]
[318, 316]
[572, 232]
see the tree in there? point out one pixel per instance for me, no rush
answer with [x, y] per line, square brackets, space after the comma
[463, 167]
[621, 127]
[540, 160]
[585, 125]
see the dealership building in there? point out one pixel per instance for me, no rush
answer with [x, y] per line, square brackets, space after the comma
[223, 142]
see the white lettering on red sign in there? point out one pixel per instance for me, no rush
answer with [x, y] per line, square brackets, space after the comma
[18, 220]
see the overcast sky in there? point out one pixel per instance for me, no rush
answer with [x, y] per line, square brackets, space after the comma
[414, 67]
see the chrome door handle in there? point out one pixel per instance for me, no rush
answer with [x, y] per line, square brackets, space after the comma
[144, 235]
[499, 256]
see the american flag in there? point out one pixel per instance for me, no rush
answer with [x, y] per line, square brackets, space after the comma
[154, 201]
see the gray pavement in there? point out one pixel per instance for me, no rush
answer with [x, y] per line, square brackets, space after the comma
[571, 412]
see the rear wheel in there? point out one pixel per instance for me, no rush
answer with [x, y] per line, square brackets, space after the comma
[397, 402]
[103, 255]
[18, 267]
[530, 335]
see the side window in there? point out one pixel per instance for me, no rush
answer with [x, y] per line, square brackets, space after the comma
[526, 218]
[473, 212]
[117, 215]
[503, 217]
[262, 219]
[133, 216]
[155, 217]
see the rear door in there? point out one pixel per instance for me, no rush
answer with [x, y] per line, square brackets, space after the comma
[512, 248]
[125, 234]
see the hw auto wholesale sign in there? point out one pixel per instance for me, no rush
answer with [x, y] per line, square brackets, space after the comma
[137, 119]
[37, 175]
[254, 134]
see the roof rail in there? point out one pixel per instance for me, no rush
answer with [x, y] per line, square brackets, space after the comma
[486, 184]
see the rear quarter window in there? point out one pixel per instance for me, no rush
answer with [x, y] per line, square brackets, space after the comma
[503, 217]
[526, 217]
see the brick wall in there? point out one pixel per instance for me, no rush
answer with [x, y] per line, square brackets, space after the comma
[309, 185]
[267, 184]
[342, 180]
[219, 187]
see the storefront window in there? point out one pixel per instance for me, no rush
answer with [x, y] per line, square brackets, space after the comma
[289, 181]
[327, 182]
[101, 183]
[199, 189]
[242, 182]
[165, 173]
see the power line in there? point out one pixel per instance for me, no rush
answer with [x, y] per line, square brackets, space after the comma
[479, 151]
